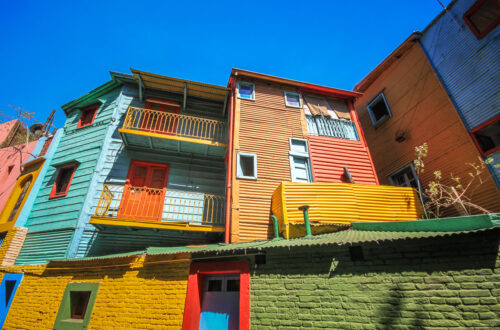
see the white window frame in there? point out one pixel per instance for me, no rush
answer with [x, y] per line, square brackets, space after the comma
[293, 106]
[239, 174]
[401, 169]
[376, 123]
[304, 155]
[246, 83]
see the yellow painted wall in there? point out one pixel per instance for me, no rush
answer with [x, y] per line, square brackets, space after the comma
[32, 169]
[6, 243]
[343, 203]
[138, 295]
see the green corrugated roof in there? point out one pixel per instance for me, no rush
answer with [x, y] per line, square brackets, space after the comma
[360, 233]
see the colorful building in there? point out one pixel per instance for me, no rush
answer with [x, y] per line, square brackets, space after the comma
[140, 162]
[438, 273]
[462, 45]
[405, 105]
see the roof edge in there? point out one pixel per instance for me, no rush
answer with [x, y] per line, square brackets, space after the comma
[303, 86]
[363, 85]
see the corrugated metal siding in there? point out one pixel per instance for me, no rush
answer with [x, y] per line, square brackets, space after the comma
[41, 247]
[265, 127]
[468, 67]
[330, 155]
[55, 216]
[193, 174]
[422, 110]
[343, 203]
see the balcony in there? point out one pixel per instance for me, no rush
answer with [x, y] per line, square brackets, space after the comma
[340, 204]
[142, 207]
[164, 131]
[337, 128]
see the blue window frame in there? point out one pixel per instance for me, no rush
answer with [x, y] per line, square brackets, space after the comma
[246, 90]
[379, 110]
[293, 100]
[8, 288]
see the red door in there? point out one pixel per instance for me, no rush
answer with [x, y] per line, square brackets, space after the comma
[144, 192]
[163, 117]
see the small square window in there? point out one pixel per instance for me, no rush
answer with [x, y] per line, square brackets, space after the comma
[63, 181]
[246, 90]
[88, 116]
[483, 17]
[405, 177]
[247, 166]
[293, 100]
[214, 286]
[79, 301]
[379, 110]
[233, 285]
[487, 136]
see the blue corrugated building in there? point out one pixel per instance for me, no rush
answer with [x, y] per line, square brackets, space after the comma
[462, 44]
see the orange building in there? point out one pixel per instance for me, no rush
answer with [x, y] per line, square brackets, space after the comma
[285, 130]
[403, 106]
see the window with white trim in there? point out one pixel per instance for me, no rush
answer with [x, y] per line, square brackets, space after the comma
[293, 100]
[246, 90]
[300, 166]
[246, 166]
[405, 177]
[379, 110]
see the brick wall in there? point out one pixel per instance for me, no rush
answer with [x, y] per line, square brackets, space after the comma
[133, 296]
[443, 282]
[12, 245]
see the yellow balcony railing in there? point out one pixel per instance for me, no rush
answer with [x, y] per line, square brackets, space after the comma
[173, 124]
[160, 205]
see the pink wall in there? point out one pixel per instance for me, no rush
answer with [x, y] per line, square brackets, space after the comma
[5, 129]
[9, 158]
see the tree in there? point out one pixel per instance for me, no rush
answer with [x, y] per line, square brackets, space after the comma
[439, 196]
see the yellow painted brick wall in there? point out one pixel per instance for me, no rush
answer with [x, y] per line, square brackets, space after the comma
[6, 243]
[139, 295]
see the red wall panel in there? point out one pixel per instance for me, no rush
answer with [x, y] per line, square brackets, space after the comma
[329, 156]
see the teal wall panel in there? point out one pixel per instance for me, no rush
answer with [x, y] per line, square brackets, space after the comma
[51, 217]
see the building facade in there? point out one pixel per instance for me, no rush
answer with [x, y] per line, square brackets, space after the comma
[404, 105]
[463, 46]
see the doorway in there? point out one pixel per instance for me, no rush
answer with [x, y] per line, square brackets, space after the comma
[144, 191]
[220, 302]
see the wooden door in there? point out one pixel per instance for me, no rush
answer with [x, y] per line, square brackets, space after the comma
[144, 191]
[162, 119]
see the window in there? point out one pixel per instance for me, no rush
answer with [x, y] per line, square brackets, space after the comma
[405, 177]
[332, 127]
[76, 306]
[487, 136]
[63, 181]
[8, 288]
[246, 90]
[293, 100]
[247, 166]
[300, 168]
[88, 115]
[483, 17]
[79, 301]
[25, 186]
[379, 110]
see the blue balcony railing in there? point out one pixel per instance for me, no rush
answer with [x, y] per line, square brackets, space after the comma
[337, 128]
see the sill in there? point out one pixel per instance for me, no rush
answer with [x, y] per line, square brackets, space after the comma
[247, 177]
[487, 153]
[292, 106]
[245, 98]
[382, 120]
[71, 320]
[77, 127]
[57, 196]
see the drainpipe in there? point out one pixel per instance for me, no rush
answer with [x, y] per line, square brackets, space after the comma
[305, 209]
[276, 228]
[229, 173]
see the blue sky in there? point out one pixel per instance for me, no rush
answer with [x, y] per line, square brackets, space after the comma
[54, 51]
